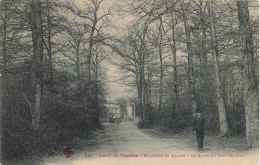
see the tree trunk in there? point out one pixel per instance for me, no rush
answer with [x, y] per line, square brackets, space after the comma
[2, 71]
[50, 70]
[1, 112]
[175, 98]
[175, 73]
[78, 66]
[149, 89]
[89, 57]
[90, 45]
[203, 55]
[4, 61]
[250, 79]
[1, 100]
[161, 65]
[191, 79]
[90, 52]
[96, 89]
[140, 101]
[220, 102]
[141, 85]
[37, 38]
[141, 57]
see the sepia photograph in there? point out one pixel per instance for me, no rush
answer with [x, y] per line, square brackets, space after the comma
[129, 82]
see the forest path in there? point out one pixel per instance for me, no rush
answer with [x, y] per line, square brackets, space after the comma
[125, 139]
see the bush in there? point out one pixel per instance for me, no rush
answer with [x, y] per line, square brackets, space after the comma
[236, 120]
[167, 119]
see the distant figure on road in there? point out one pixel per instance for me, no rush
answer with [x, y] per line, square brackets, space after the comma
[199, 128]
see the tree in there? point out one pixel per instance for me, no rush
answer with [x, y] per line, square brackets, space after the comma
[203, 51]
[173, 47]
[74, 47]
[191, 79]
[250, 79]
[37, 38]
[135, 42]
[220, 101]
[160, 47]
[99, 55]
[49, 43]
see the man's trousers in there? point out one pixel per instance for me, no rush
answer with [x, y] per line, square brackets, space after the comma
[200, 138]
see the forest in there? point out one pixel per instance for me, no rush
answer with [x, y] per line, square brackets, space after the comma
[177, 56]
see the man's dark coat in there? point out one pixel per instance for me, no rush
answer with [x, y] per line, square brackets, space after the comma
[199, 127]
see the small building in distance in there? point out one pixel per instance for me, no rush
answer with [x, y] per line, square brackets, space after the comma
[113, 109]
[130, 111]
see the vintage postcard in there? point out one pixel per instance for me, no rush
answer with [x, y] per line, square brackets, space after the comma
[129, 82]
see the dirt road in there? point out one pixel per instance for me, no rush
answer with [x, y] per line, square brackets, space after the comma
[124, 143]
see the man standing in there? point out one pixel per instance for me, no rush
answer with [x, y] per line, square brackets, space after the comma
[199, 128]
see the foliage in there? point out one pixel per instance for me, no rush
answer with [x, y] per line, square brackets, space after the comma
[70, 95]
